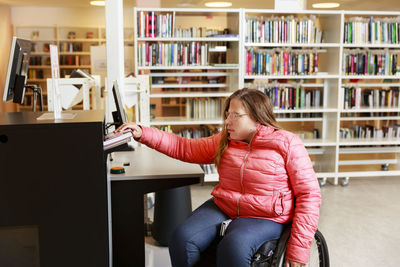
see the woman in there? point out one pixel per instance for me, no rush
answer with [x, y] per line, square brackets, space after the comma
[262, 170]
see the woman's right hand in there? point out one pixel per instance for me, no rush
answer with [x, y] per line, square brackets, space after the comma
[133, 127]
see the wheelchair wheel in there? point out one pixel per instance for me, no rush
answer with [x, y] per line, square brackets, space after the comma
[319, 256]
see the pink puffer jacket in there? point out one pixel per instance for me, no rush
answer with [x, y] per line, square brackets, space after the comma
[257, 180]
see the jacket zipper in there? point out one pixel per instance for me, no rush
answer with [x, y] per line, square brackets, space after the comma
[241, 178]
[241, 181]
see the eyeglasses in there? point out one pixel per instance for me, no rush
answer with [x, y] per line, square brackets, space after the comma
[233, 116]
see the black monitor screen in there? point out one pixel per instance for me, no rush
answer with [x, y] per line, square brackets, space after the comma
[17, 70]
[119, 116]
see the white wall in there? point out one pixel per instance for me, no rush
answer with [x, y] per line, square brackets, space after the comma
[50, 16]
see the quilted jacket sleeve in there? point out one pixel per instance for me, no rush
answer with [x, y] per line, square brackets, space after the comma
[308, 199]
[200, 150]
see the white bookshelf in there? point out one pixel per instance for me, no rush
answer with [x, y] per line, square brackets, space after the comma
[333, 157]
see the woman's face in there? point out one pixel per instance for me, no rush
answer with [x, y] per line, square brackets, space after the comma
[239, 124]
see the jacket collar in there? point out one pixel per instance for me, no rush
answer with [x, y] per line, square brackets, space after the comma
[262, 132]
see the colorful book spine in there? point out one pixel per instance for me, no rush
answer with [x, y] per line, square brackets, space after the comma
[284, 29]
[280, 62]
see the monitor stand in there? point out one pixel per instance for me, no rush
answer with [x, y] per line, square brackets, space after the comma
[37, 91]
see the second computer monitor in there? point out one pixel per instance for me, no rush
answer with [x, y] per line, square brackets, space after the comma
[119, 116]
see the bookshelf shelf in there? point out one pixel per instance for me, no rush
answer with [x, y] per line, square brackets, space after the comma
[370, 76]
[371, 46]
[190, 95]
[45, 40]
[75, 66]
[190, 39]
[188, 74]
[182, 121]
[370, 118]
[40, 54]
[318, 142]
[311, 45]
[75, 53]
[80, 40]
[369, 142]
[210, 85]
[309, 110]
[298, 119]
[189, 68]
[294, 77]
[39, 67]
[37, 80]
[364, 110]
[368, 150]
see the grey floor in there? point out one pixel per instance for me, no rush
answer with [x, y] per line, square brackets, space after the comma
[361, 223]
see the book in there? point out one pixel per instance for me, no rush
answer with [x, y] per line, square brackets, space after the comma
[116, 139]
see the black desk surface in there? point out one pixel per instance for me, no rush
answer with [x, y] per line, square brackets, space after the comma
[25, 118]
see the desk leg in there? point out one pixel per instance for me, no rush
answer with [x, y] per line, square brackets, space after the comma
[127, 225]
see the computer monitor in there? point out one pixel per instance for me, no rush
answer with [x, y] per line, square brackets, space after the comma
[17, 70]
[119, 116]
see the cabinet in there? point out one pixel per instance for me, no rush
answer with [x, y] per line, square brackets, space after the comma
[57, 203]
[332, 77]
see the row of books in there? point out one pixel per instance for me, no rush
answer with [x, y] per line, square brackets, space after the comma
[281, 62]
[298, 115]
[69, 60]
[197, 32]
[35, 60]
[283, 30]
[35, 74]
[355, 97]
[370, 131]
[372, 30]
[367, 62]
[209, 168]
[71, 47]
[314, 134]
[293, 98]
[203, 131]
[177, 54]
[204, 109]
[151, 25]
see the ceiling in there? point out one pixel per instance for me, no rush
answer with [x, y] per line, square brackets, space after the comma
[390, 5]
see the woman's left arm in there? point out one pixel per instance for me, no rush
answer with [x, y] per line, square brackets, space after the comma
[307, 194]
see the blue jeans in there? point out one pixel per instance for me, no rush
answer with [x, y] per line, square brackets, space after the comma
[242, 239]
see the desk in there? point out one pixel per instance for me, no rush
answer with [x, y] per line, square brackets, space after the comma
[149, 171]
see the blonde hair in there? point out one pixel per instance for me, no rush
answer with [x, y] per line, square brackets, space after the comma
[259, 108]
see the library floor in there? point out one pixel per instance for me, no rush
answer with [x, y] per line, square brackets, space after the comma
[361, 223]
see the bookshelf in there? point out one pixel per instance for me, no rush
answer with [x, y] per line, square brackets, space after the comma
[193, 68]
[368, 138]
[340, 95]
[74, 51]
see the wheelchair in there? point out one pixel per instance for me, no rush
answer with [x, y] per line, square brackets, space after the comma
[272, 253]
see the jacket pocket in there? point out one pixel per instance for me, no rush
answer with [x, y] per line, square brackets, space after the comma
[278, 204]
